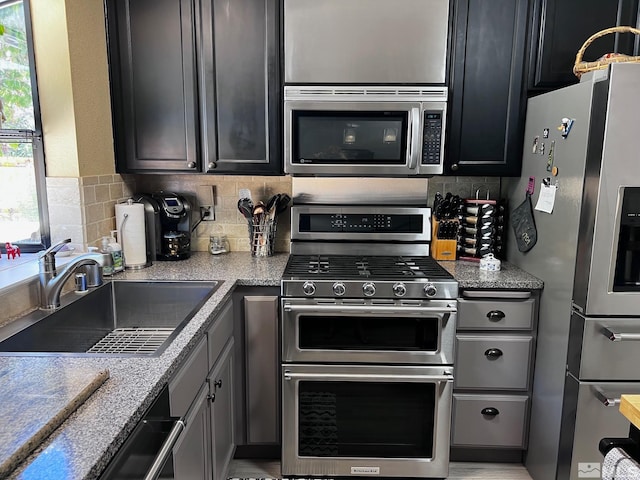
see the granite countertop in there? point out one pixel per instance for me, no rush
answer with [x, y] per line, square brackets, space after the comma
[83, 445]
[469, 276]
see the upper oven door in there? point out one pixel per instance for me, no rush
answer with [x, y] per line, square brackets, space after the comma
[332, 331]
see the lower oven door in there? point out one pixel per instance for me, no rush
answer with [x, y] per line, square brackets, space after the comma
[362, 420]
[422, 332]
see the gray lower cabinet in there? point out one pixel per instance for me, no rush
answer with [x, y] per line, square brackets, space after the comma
[493, 374]
[256, 329]
[201, 392]
[192, 453]
[221, 385]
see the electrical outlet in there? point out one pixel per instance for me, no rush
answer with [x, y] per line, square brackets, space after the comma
[206, 213]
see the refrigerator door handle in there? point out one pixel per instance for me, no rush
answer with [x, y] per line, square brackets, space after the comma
[605, 399]
[620, 337]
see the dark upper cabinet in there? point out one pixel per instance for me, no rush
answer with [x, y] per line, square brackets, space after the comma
[560, 28]
[195, 85]
[488, 87]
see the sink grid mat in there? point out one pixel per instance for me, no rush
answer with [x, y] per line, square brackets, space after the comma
[132, 340]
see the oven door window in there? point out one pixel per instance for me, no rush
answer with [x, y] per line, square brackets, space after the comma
[350, 138]
[362, 419]
[320, 332]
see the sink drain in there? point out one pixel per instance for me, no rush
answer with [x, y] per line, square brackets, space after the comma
[132, 341]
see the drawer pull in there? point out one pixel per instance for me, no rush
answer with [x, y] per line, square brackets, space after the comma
[619, 337]
[495, 315]
[490, 411]
[606, 400]
[493, 353]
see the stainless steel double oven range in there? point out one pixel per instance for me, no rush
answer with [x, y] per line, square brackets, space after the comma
[368, 331]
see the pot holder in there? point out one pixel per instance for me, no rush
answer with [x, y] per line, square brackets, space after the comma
[524, 226]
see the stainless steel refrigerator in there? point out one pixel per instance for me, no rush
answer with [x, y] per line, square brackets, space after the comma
[588, 255]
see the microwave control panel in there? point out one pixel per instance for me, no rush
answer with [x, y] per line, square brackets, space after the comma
[431, 138]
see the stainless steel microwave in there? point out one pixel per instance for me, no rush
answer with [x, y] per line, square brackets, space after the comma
[364, 131]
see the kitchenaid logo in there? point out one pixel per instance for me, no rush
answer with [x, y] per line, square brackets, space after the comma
[365, 470]
[588, 470]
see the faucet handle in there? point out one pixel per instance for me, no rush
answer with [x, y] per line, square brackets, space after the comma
[53, 249]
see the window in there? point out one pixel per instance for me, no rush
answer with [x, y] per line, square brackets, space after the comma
[23, 208]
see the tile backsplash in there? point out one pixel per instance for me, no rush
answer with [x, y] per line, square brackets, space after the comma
[228, 220]
[83, 209]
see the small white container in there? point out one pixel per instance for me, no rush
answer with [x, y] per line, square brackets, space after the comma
[489, 263]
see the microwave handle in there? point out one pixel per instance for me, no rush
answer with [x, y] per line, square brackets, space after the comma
[414, 138]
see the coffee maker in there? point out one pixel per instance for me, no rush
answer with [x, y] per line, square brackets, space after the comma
[168, 225]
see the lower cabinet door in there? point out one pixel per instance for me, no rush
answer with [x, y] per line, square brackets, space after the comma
[221, 387]
[489, 420]
[191, 456]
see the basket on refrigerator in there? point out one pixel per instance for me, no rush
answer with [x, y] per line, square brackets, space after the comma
[581, 66]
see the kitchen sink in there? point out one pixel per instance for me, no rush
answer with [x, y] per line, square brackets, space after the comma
[121, 318]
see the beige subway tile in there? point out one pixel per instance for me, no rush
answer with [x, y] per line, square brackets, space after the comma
[88, 194]
[105, 179]
[90, 180]
[109, 209]
[92, 234]
[94, 213]
[200, 244]
[226, 189]
[116, 191]
[103, 193]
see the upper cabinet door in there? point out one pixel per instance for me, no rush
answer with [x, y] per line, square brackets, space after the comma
[153, 77]
[365, 41]
[240, 86]
[488, 95]
[560, 28]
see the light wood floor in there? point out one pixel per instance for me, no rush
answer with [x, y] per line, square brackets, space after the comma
[457, 470]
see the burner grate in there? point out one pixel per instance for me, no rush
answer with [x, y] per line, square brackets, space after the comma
[347, 266]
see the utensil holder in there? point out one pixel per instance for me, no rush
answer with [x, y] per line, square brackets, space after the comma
[262, 236]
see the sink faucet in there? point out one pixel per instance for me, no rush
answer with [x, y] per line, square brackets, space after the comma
[51, 282]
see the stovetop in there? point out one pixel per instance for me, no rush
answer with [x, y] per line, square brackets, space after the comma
[352, 276]
[345, 267]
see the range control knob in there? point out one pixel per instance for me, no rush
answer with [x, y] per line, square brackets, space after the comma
[430, 290]
[308, 288]
[399, 289]
[339, 289]
[369, 289]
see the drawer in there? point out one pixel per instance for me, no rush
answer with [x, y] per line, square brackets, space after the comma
[220, 332]
[495, 314]
[499, 362]
[489, 420]
[184, 385]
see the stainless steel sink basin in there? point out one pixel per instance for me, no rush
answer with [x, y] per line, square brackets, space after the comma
[121, 317]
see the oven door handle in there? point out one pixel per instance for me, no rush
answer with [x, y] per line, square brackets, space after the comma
[620, 336]
[166, 450]
[447, 377]
[368, 309]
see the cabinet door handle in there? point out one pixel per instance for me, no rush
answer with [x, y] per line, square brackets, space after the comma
[191, 165]
[495, 315]
[217, 384]
[490, 411]
[493, 353]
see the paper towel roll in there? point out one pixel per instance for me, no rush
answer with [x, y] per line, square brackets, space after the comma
[131, 233]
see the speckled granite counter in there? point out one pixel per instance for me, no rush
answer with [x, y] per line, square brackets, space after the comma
[509, 276]
[82, 447]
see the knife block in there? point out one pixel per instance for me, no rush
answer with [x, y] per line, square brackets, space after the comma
[442, 249]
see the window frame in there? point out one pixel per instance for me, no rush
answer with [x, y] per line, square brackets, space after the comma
[34, 137]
